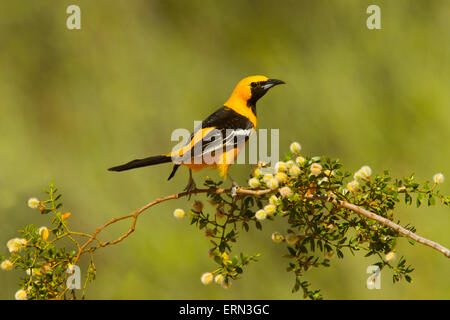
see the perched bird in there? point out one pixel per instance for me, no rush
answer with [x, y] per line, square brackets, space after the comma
[217, 141]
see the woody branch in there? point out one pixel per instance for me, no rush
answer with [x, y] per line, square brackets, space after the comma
[339, 203]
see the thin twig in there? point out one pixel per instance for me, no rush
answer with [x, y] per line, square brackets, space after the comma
[340, 203]
[388, 223]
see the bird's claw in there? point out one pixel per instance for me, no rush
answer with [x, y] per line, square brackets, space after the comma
[191, 186]
[234, 187]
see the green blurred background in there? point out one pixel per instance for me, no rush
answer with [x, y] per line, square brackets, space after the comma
[75, 102]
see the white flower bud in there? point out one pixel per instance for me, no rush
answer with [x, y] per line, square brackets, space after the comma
[295, 147]
[280, 166]
[281, 177]
[272, 183]
[179, 213]
[290, 163]
[6, 265]
[390, 257]
[285, 192]
[207, 278]
[21, 295]
[300, 160]
[33, 203]
[316, 169]
[277, 237]
[44, 232]
[270, 209]
[219, 279]
[254, 183]
[257, 173]
[273, 200]
[260, 215]
[16, 244]
[363, 173]
[226, 284]
[267, 177]
[357, 176]
[438, 178]
[34, 272]
[294, 171]
[353, 186]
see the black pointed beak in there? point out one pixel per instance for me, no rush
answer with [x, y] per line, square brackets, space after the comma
[272, 83]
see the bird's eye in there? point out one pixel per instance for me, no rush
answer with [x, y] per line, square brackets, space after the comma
[253, 84]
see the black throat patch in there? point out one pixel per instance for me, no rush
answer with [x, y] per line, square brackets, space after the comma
[257, 93]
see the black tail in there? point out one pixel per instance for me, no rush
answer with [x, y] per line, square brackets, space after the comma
[142, 163]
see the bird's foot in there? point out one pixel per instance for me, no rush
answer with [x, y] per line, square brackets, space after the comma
[234, 186]
[191, 186]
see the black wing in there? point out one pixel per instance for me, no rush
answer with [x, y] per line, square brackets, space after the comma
[231, 129]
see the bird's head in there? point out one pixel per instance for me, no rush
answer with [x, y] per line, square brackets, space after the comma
[251, 89]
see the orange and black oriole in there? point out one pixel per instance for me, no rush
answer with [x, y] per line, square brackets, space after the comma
[233, 123]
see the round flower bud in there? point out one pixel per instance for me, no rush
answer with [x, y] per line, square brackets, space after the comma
[6, 265]
[438, 178]
[285, 192]
[273, 200]
[257, 173]
[226, 284]
[281, 177]
[277, 237]
[300, 160]
[353, 186]
[179, 213]
[254, 183]
[357, 176]
[290, 163]
[267, 177]
[390, 257]
[207, 278]
[272, 183]
[294, 171]
[260, 215]
[295, 147]
[270, 209]
[16, 244]
[291, 238]
[34, 272]
[316, 169]
[21, 295]
[280, 166]
[363, 173]
[219, 279]
[43, 232]
[33, 203]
